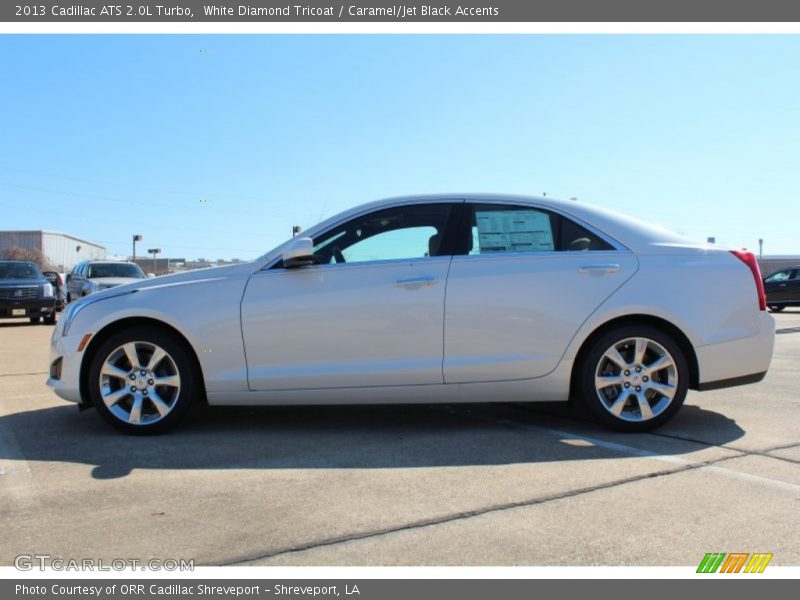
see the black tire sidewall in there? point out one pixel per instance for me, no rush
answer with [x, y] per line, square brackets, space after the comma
[586, 372]
[176, 348]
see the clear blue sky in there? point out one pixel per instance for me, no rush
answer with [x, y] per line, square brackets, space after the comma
[214, 146]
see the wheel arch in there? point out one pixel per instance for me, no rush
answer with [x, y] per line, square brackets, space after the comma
[117, 326]
[641, 319]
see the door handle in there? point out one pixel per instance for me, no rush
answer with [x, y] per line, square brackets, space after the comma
[599, 269]
[415, 282]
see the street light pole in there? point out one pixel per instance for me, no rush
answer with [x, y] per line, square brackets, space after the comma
[136, 238]
[154, 251]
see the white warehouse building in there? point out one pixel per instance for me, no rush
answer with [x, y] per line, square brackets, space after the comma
[60, 250]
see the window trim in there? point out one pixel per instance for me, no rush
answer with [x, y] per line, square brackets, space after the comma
[465, 231]
[450, 235]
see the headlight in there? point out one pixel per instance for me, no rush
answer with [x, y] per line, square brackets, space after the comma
[47, 290]
[73, 308]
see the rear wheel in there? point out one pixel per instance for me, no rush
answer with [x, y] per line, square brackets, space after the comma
[633, 378]
[775, 308]
[50, 319]
[143, 381]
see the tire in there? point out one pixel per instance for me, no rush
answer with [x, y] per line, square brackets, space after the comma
[776, 308]
[34, 320]
[69, 298]
[641, 400]
[50, 319]
[160, 407]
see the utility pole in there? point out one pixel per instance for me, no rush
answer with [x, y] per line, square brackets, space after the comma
[136, 238]
[760, 247]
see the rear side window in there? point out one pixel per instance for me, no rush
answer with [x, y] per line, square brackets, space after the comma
[513, 229]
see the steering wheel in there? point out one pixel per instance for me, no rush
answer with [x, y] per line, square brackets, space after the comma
[337, 255]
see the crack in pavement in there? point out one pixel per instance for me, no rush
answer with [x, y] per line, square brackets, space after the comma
[22, 374]
[683, 466]
[459, 516]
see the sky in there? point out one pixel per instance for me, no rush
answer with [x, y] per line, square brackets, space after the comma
[214, 146]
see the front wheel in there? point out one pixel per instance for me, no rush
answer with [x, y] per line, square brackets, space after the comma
[143, 380]
[633, 378]
[34, 320]
[50, 319]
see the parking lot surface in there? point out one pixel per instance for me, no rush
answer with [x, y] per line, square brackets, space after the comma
[401, 485]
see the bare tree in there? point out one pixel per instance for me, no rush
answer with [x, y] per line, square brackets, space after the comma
[17, 253]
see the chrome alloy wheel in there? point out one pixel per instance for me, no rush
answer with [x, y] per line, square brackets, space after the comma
[636, 379]
[139, 383]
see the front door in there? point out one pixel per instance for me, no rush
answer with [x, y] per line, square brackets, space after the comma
[371, 314]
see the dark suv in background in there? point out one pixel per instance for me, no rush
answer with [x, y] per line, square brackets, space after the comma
[783, 289]
[25, 292]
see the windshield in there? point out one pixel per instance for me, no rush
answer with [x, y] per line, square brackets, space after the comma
[19, 271]
[115, 270]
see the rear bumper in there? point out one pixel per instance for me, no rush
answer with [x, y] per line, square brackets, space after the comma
[33, 307]
[726, 383]
[737, 362]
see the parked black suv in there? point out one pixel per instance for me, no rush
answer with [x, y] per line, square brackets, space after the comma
[783, 289]
[25, 292]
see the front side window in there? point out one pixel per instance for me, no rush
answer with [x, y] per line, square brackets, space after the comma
[779, 276]
[512, 229]
[405, 232]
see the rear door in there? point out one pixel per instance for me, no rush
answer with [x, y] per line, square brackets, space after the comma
[526, 281]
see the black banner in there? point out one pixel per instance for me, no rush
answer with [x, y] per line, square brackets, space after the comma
[381, 589]
[404, 11]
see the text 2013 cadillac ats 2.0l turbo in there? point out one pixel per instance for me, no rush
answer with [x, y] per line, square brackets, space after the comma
[457, 298]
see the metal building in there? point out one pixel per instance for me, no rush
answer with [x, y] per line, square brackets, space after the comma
[60, 250]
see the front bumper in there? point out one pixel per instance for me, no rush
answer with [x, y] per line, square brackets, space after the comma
[65, 366]
[28, 307]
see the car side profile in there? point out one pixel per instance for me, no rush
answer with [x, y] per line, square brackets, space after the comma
[783, 289]
[90, 276]
[447, 298]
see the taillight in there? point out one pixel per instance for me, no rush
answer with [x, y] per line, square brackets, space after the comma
[749, 259]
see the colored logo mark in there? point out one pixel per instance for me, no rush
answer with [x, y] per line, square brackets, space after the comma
[734, 562]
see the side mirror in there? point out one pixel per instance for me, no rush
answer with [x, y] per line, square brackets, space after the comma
[299, 253]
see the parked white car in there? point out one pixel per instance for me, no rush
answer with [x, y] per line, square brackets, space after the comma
[429, 299]
[92, 276]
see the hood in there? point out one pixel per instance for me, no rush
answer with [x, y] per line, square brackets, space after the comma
[22, 282]
[108, 281]
[185, 278]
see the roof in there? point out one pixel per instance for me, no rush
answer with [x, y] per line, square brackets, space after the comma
[48, 232]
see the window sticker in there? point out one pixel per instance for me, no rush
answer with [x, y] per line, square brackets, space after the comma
[514, 231]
